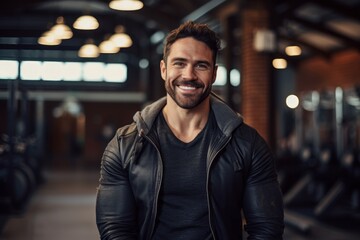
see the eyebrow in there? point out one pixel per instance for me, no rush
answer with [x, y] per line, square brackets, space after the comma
[179, 59]
[185, 60]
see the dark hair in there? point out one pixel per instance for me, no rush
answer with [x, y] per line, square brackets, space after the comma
[200, 32]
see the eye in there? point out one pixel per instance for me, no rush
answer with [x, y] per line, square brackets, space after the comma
[202, 66]
[179, 64]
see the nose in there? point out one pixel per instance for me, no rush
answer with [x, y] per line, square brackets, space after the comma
[189, 73]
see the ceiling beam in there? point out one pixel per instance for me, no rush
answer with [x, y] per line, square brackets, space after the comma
[318, 26]
[345, 10]
[309, 46]
[204, 9]
[285, 8]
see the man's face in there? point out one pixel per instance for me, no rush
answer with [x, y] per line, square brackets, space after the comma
[189, 72]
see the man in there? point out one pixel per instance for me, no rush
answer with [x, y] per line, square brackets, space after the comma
[188, 166]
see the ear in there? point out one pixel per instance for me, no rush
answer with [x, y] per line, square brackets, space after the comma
[163, 69]
[215, 73]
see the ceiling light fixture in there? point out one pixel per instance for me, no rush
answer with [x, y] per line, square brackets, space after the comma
[293, 50]
[126, 5]
[60, 30]
[120, 38]
[49, 40]
[86, 22]
[279, 63]
[89, 50]
[108, 46]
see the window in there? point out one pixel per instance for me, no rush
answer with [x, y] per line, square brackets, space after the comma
[235, 77]
[220, 76]
[72, 71]
[64, 71]
[93, 71]
[115, 73]
[30, 70]
[52, 71]
[9, 69]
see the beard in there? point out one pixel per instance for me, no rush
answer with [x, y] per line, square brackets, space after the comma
[187, 101]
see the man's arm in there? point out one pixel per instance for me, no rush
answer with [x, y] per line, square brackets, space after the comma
[263, 205]
[115, 204]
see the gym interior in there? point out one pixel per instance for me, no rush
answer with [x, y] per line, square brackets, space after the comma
[290, 68]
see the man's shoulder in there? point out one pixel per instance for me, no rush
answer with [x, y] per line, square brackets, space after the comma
[245, 131]
[126, 130]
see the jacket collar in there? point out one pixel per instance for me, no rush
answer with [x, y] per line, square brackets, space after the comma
[226, 118]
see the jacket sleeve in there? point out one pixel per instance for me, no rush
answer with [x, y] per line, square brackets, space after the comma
[115, 204]
[263, 204]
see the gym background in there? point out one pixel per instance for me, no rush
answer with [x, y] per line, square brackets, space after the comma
[291, 68]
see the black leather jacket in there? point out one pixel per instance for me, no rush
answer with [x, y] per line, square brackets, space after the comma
[241, 178]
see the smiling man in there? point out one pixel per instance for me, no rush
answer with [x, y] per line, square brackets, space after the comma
[188, 166]
[189, 72]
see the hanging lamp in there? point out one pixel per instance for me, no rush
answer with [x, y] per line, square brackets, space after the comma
[108, 46]
[126, 5]
[89, 50]
[49, 40]
[86, 22]
[120, 38]
[293, 50]
[60, 30]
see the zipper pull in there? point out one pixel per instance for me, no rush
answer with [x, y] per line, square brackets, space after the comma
[141, 133]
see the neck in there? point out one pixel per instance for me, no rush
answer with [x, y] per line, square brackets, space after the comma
[186, 124]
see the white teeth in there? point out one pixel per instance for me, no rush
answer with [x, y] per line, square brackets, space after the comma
[187, 87]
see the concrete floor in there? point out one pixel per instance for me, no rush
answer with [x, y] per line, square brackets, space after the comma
[64, 208]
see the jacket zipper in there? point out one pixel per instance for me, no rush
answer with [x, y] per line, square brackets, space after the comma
[207, 186]
[158, 184]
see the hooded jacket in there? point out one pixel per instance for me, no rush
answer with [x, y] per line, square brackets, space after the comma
[241, 180]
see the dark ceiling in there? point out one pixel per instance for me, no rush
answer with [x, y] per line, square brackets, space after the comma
[321, 27]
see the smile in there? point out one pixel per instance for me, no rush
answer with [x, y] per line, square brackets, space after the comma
[187, 87]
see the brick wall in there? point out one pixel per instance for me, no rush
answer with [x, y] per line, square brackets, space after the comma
[342, 70]
[255, 106]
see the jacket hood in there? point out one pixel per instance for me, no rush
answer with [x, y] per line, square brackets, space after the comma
[226, 118]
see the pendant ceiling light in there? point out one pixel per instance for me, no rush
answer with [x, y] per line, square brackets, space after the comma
[293, 50]
[86, 22]
[279, 63]
[120, 38]
[60, 30]
[89, 50]
[48, 39]
[108, 46]
[126, 5]
[56, 34]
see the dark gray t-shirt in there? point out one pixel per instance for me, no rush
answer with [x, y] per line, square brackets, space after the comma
[183, 208]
